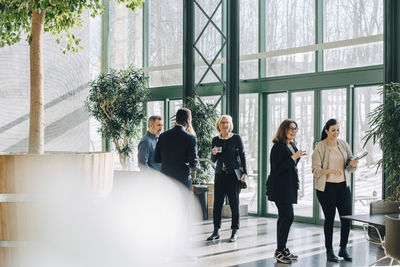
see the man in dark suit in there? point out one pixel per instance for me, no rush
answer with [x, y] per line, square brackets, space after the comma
[176, 150]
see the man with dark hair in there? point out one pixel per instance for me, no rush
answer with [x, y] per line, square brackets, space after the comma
[176, 150]
[148, 143]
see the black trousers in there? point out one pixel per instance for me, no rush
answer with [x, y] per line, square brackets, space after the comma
[226, 184]
[336, 195]
[285, 220]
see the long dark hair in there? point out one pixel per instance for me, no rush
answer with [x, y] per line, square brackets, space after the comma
[328, 124]
[280, 135]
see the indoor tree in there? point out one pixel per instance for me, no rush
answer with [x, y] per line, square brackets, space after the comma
[32, 18]
[204, 117]
[117, 99]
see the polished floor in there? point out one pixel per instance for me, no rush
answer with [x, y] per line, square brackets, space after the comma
[257, 241]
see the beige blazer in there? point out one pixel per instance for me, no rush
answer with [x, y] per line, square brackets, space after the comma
[320, 158]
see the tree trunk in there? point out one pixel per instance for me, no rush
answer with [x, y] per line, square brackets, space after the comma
[36, 121]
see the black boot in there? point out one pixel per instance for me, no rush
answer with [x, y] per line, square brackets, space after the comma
[343, 253]
[330, 255]
[233, 236]
[214, 235]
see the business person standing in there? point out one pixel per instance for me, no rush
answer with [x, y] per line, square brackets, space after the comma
[176, 150]
[283, 184]
[148, 143]
[227, 148]
[332, 181]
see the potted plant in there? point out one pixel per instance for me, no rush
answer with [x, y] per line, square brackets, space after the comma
[204, 117]
[117, 100]
[385, 130]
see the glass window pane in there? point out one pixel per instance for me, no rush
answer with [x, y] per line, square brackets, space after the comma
[248, 37]
[95, 69]
[165, 40]
[290, 23]
[353, 56]
[125, 39]
[348, 19]
[303, 114]
[277, 112]
[367, 182]
[248, 129]
[155, 108]
[333, 105]
[174, 105]
[213, 100]
[210, 41]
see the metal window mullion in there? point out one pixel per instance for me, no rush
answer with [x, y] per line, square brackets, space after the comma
[232, 91]
[319, 33]
[188, 68]
[106, 145]
[262, 29]
[350, 104]
[317, 127]
[262, 153]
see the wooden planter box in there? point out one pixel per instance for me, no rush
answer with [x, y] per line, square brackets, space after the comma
[22, 175]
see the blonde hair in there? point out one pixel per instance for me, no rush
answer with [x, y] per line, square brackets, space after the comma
[228, 118]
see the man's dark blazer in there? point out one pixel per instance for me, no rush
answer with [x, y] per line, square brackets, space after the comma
[176, 150]
[283, 181]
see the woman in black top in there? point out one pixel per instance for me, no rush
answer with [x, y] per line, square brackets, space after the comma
[227, 151]
[283, 184]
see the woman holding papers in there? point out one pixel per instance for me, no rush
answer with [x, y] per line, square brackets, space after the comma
[283, 184]
[332, 162]
[228, 153]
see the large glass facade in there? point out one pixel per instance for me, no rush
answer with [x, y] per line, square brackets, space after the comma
[288, 30]
[350, 19]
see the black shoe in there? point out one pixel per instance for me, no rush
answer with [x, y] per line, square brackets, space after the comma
[233, 236]
[214, 235]
[343, 253]
[280, 256]
[289, 254]
[330, 256]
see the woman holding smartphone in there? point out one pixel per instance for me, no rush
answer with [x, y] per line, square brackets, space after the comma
[332, 162]
[283, 184]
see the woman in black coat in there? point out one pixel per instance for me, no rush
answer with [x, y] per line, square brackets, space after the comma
[283, 184]
[228, 153]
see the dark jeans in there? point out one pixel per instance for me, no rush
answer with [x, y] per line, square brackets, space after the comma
[285, 220]
[226, 184]
[336, 195]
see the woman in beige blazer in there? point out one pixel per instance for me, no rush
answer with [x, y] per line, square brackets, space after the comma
[332, 162]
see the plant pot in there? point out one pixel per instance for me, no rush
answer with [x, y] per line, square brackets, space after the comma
[200, 191]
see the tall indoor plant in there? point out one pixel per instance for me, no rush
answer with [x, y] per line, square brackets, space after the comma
[385, 130]
[204, 117]
[117, 100]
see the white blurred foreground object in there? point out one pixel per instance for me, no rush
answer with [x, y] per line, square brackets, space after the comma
[145, 221]
[26, 176]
